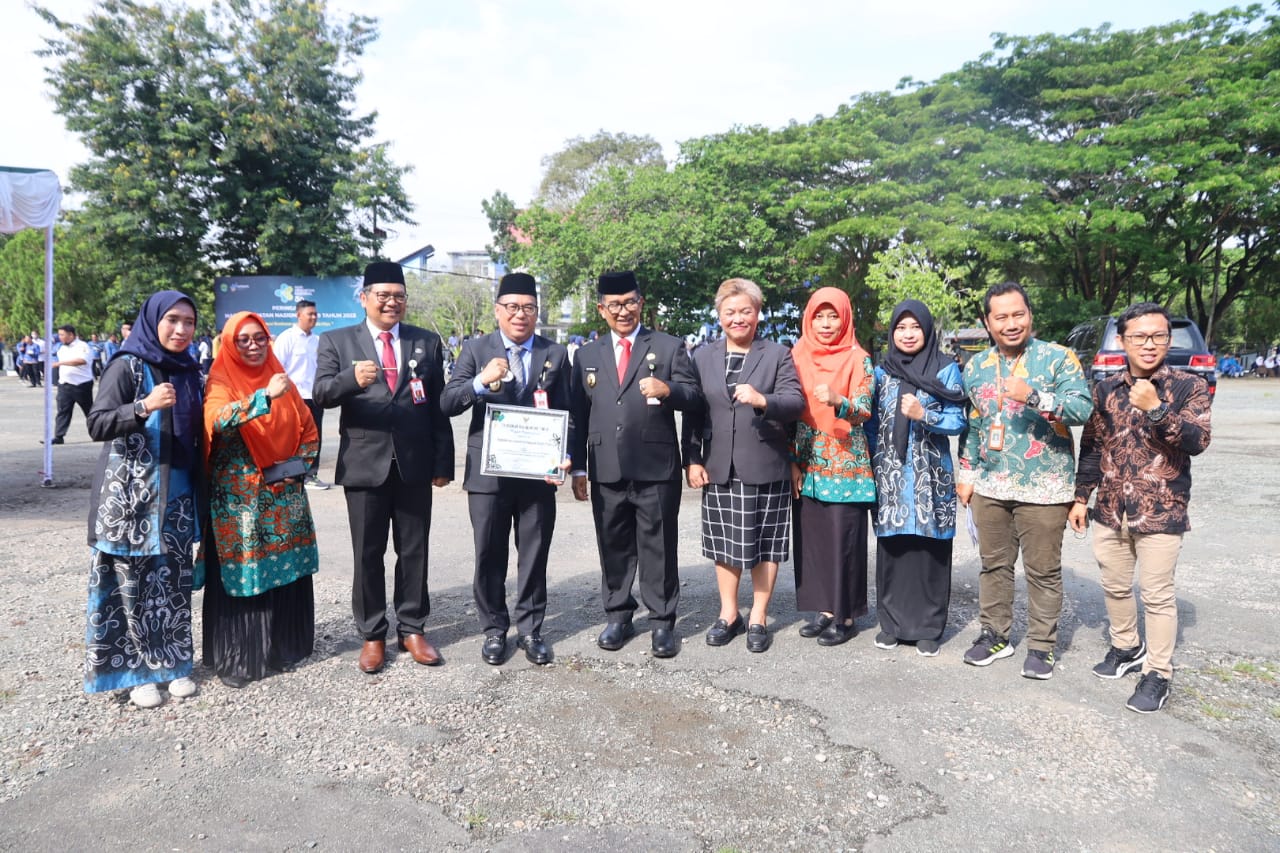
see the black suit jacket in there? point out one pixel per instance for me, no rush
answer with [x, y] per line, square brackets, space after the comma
[548, 370]
[377, 426]
[618, 436]
[754, 443]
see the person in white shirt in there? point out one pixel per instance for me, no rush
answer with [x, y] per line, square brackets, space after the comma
[75, 380]
[296, 347]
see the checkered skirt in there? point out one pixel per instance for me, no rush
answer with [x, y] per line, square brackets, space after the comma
[743, 525]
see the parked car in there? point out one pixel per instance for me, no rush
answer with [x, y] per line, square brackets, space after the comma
[1097, 345]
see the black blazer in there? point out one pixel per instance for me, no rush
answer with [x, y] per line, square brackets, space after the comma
[618, 435]
[377, 426]
[754, 443]
[548, 370]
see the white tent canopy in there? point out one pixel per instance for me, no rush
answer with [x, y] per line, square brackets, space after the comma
[31, 198]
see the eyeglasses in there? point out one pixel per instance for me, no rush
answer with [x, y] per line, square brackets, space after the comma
[245, 341]
[514, 308]
[384, 297]
[617, 308]
[1159, 339]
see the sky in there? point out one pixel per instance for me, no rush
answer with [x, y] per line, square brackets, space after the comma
[473, 94]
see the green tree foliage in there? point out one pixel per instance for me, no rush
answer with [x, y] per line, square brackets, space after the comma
[221, 140]
[571, 172]
[448, 303]
[906, 272]
[80, 267]
[1098, 168]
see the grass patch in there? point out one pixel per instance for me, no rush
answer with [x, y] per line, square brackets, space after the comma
[1220, 672]
[475, 820]
[1275, 712]
[558, 817]
[1214, 712]
[6, 695]
[1264, 672]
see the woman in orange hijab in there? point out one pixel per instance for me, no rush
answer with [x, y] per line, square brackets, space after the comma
[831, 476]
[259, 610]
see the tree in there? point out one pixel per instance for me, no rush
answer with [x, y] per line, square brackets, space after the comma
[448, 303]
[221, 140]
[572, 171]
[501, 212]
[907, 272]
[79, 270]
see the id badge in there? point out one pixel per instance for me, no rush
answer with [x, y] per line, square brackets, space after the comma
[540, 399]
[995, 436]
[418, 391]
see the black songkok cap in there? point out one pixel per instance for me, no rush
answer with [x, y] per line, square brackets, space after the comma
[517, 284]
[618, 283]
[383, 272]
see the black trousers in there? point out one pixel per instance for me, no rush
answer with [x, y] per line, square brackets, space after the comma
[636, 532]
[317, 415]
[529, 506]
[405, 511]
[70, 396]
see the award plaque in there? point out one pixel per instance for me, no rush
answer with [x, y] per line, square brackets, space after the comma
[524, 442]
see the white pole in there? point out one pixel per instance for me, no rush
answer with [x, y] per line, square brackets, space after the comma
[48, 356]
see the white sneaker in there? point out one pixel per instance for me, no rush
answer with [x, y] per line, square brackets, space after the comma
[181, 688]
[146, 696]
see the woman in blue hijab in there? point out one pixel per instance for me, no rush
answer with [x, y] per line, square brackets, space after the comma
[143, 518]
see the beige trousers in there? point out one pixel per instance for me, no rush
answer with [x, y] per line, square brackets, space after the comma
[1156, 556]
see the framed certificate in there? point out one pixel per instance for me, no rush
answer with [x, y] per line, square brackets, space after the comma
[524, 442]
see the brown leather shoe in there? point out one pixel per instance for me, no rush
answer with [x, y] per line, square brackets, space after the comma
[420, 649]
[372, 656]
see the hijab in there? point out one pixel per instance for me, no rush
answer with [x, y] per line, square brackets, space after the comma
[839, 364]
[272, 437]
[917, 372]
[179, 368]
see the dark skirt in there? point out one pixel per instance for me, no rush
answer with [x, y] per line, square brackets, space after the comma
[831, 557]
[248, 636]
[913, 586]
[744, 525]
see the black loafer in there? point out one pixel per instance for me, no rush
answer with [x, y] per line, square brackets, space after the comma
[535, 649]
[235, 682]
[722, 633]
[494, 650]
[836, 634]
[758, 639]
[615, 635]
[816, 627]
[665, 644]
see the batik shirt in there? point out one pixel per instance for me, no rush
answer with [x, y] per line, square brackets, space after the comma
[1141, 469]
[1036, 463]
[836, 469]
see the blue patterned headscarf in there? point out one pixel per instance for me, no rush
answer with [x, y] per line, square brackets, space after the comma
[179, 367]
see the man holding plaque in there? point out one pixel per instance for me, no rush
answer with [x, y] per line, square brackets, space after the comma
[394, 445]
[511, 366]
[626, 389]
[1017, 474]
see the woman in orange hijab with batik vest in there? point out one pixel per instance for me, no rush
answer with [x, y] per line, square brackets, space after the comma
[259, 609]
[831, 476]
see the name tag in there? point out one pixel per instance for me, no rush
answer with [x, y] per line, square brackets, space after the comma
[995, 436]
[540, 399]
[418, 391]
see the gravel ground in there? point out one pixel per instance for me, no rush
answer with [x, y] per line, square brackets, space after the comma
[716, 750]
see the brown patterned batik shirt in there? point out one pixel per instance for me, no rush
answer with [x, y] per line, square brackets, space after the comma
[1142, 469]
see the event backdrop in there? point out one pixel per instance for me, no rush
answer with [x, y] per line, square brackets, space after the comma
[337, 299]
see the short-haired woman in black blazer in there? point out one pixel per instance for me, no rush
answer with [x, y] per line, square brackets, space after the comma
[737, 451]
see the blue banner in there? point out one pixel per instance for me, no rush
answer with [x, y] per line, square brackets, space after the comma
[274, 297]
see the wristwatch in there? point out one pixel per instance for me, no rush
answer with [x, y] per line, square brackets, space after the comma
[139, 408]
[1159, 413]
[1033, 399]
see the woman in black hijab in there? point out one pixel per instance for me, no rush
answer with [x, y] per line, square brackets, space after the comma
[919, 403]
[143, 519]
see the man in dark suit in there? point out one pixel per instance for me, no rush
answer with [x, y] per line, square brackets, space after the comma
[394, 444]
[511, 366]
[626, 389]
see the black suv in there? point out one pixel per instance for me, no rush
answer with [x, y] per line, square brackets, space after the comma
[1098, 347]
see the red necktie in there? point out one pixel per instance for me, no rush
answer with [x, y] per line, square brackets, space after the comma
[625, 359]
[389, 370]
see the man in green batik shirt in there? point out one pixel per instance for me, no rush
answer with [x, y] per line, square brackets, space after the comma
[1017, 474]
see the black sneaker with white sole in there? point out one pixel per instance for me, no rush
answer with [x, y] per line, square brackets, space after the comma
[1151, 694]
[1120, 662]
[1038, 665]
[988, 648]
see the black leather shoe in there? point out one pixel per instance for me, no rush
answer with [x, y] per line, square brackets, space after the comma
[235, 682]
[665, 643]
[722, 633]
[835, 634]
[494, 650]
[535, 649]
[615, 635]
[816, 627]
[758, 639]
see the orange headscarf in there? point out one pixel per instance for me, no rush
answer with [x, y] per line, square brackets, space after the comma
[838, 364]
[273, 437]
